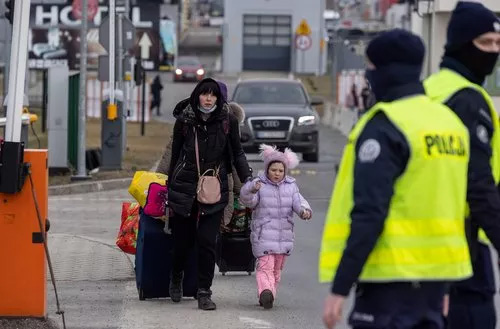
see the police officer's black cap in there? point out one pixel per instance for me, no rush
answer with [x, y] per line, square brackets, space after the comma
[468, 21]
[396, 46]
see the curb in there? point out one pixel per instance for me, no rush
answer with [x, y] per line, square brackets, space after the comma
[89, 187]
[96, 186]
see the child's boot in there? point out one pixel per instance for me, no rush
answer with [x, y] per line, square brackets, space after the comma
[266, 299]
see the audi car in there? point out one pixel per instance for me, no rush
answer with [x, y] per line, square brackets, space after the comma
[279, 112]
[188, 68]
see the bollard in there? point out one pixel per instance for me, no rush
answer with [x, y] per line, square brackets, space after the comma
[111, 136]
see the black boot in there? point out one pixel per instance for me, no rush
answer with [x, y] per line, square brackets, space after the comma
[266, 299]
[205, 301]
[175, 287]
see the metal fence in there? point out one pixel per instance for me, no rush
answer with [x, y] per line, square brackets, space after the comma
[343, 55]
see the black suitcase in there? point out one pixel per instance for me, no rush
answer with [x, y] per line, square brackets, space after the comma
[234, 252]
[153, 261]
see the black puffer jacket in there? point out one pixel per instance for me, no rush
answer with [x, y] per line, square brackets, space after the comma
[215, 149]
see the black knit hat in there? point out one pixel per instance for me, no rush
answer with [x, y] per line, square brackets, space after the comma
[468, 21]
[396, 46]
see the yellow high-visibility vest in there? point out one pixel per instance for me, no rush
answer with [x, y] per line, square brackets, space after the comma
[424, 234]
[446, 83]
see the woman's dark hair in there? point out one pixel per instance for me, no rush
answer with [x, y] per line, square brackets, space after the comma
[208, 86]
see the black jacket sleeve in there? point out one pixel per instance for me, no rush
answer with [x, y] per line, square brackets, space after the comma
[236, 150]
[177, 143]
[482, 195]
[375, 173]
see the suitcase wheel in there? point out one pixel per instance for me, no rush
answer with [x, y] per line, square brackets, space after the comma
[141, 294]
[249, 273]
[223, 273]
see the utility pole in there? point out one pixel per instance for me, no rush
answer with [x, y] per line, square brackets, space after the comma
[6, 42]
[18, 59]
[121, 85]
[112, 55]
[127, 8]
[82, 110]
[124, 86]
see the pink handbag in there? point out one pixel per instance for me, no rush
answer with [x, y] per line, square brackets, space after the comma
[156, 201]
[208, 189]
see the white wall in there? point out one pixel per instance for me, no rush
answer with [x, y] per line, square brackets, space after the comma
[310, 10]
[433, 26]
[396, 16]
[448, 5]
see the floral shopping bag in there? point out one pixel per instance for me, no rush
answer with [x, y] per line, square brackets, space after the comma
[129, 228]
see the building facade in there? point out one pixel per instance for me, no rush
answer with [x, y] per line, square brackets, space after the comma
[431, 24]
[260, 35]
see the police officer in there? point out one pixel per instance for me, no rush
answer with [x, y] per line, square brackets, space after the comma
[396, 218]
[471, 52]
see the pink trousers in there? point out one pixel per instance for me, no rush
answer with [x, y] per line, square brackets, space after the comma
[269, 272]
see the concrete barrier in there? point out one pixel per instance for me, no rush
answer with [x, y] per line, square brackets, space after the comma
[339, 117]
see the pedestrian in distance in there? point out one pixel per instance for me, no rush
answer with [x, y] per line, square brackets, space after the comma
[156, 88]
[206, 137]
[470, 55]
[274, 196]
[395, 226]
[367, 97]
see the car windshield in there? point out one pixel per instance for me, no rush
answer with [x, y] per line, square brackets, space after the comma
[270, 93]
[188, 62]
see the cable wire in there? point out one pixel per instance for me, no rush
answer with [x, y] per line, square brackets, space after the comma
[49, 262]
[34, 133]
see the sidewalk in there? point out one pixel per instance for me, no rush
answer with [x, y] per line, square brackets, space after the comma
[96, 282]
[91, 272]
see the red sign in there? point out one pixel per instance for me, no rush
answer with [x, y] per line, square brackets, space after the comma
[93, 7]
[303, 42]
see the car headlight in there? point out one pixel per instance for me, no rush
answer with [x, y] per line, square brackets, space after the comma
[178, 71]
[200, 72]
[306, 120]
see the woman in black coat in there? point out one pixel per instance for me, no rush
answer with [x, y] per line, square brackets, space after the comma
[192, 223]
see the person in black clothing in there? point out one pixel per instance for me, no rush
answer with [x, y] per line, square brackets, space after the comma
[393, 76]
[367, 97]
[472, 48]
[156, 88]
[193, 223]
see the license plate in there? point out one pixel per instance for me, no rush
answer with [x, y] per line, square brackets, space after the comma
[189, 75]
[271, 134]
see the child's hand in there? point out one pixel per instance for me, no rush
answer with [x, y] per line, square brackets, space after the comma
[256, 187]
[305, 214]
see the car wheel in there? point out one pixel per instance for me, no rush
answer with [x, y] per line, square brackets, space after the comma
[311, 157]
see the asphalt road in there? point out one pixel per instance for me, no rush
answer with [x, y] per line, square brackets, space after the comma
[96, 281]
[97, 286]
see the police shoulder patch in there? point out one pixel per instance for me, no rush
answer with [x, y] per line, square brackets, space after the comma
[369, 150]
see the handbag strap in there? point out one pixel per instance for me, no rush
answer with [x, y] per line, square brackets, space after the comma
[196, 150]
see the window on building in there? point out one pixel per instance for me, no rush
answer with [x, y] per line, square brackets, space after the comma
[267, 30]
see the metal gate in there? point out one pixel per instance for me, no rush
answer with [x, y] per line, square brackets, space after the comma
[267, 42]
